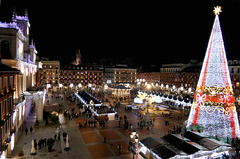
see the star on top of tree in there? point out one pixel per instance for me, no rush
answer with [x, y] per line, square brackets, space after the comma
[217, 10]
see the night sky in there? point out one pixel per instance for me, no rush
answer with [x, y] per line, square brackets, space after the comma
[148, 33]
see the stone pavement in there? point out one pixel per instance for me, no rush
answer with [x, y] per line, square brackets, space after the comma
[42, 131]
[89, 142]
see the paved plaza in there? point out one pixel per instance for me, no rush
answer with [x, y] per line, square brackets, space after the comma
[88, 142]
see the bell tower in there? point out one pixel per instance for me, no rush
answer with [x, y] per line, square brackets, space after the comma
[78, 57]
[23, 24]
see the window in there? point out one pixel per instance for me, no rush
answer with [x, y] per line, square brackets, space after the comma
[10, 105]
[1, 111]
[6, 130]
[0, 85]
[5, 84]
[10, 82]
[5, 107]
[5, 49]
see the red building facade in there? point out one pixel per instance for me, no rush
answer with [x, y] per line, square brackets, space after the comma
[7, 77]
[76, 75]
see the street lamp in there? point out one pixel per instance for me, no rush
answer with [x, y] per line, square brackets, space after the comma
[134, 140]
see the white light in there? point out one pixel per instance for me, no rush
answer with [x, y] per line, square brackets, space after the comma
[12, 141]
[173, 87]
[182, 88]
[23, 110]
[14, 117]
[48, 85]
[189, 89]
[20, 113]
[79, 85]
[60, 85]
[3, 155]
[89, 85]
[138, 100]
[105, 86]
[22, 69]
[71, 85]
[26, 71]
[148, 86]
[143, 149]
[158, 99]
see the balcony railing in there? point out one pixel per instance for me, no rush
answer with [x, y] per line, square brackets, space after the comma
[18, 100]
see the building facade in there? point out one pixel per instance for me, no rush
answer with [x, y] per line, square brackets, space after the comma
[234, 69]
[81, 76]
[120, 74]
[18, 53]
[7, 112]
[49, 74]
[180, 77]
[148, 75]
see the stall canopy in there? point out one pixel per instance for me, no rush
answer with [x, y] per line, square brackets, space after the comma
[174, 145]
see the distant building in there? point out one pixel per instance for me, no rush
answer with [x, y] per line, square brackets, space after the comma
[120, 74]
[49, 76]
[234, 69]
[148, 75]
[81, 76]
[181, 77]
[78, 58]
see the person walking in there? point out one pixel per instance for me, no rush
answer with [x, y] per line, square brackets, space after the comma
[31, 129]
[35, 144]
[119, 149]
[39, 144]
[26, 131]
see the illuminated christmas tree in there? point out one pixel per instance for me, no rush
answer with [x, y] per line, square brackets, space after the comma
[213, 112]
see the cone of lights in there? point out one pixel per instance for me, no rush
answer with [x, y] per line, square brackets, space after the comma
[213, 111]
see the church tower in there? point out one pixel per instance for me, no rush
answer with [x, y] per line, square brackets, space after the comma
[78, 60]
[24, 25]
[78, 57]
[213, 112]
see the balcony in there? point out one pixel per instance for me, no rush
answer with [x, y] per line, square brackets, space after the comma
[6, 91]
[18, 100]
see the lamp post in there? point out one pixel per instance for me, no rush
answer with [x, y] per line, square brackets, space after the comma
[134, 139]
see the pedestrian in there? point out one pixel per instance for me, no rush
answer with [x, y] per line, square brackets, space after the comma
[31, 129]
[129, 146]
[26, 131]
[39, 144]
[45, 142]
[119, 149]
[55, 137]
[58, 135]
[35, 144]
[42, 142]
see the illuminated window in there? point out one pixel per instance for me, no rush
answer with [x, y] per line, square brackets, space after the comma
[237, 84]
